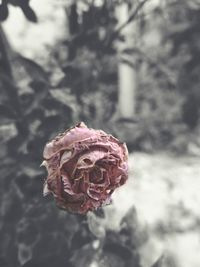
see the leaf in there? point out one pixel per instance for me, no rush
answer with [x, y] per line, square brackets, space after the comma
[179, 28]
[3, 11]
[29, 13]
[80, 239]
[132, 230]
[51, 260]
[7, 132]
[96, 226]
[129, 51]
[85, 256]
[100, 213]
[66, 98]
[61, 95]
[194, 4]
[6, 112]
[28, 67]
[119, 250]
[159, 262]
[3, 262]
[49, 124]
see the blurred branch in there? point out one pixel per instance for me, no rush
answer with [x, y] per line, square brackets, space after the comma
[115, 34]
[132, 16]
[152, 62]
[4, 51]
[7, 76]
[160, 67]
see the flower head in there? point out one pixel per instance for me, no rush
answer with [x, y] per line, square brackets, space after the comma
[84, 167]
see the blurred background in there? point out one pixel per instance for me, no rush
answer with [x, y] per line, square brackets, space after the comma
[130, 68]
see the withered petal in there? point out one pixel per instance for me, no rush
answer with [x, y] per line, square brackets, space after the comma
[66, 156]
[46, 190]
[89, 159]
[78, 133]
[67, 187]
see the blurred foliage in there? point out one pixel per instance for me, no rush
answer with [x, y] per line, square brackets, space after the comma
[80, 83]
[167, 113]
[170, 91]
[22, 4]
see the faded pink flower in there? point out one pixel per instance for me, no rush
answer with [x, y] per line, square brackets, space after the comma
[84, 167]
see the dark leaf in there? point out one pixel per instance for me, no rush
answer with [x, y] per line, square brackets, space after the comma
[71, 71]
[80, 238]
[100, 213]
[29, 13]
[8, 92]
[64, 97]
[32, 69]
[3, 11]
[51, 261]
[7, 112]
[38, 86]
[4, 263]
[84, 256]
[49, 124]
[95, 226]
[35, 102]
[129, 51]
[119, 250]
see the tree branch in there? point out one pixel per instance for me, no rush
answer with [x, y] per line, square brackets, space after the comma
[152, 62]
[132, 16]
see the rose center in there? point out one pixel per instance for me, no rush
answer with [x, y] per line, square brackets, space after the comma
[96, 176]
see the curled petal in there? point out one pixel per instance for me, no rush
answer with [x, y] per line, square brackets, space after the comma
[89, 159]
[44, 163]
[46, 190]
[67, 187]
[65, 157]
[78, 133]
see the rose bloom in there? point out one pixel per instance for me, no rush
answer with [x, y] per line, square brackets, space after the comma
[84, 167]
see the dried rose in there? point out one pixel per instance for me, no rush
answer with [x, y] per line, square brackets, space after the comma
[84, 167]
